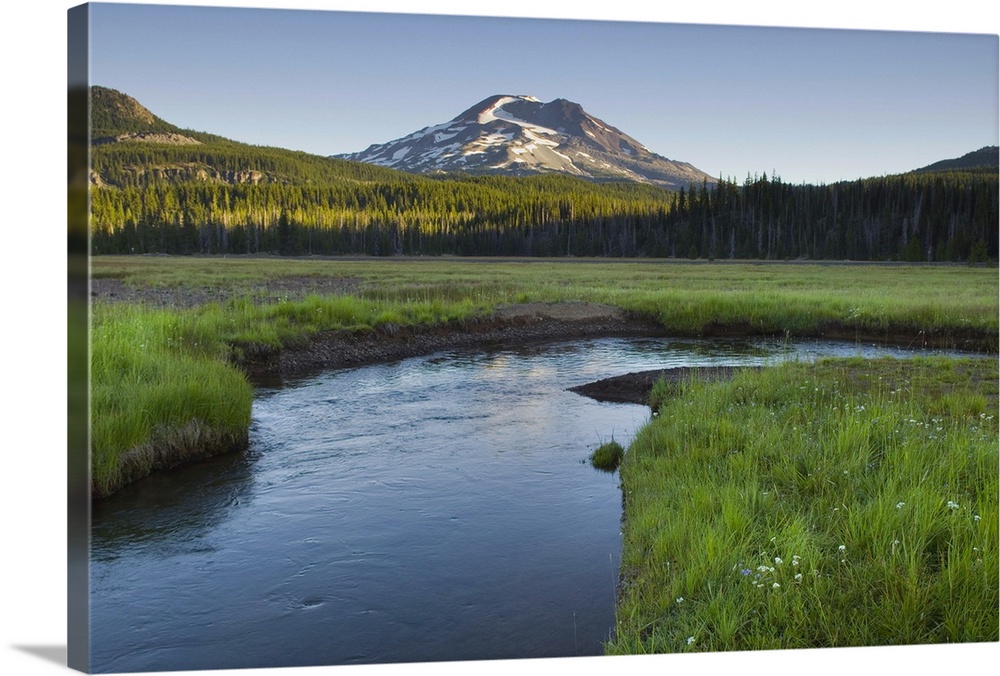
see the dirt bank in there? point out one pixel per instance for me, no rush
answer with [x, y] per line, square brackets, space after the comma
[508, 326]
[633, 388]
[112, 290]
[528, 323]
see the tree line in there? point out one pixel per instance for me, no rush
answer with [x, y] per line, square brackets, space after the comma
[943, 216]
[487, 215]
[305, 207]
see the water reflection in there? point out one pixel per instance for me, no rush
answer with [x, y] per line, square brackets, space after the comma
[179, 505]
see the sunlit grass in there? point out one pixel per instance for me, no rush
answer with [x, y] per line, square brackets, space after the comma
[157, 381]
[687, 298]
[846, 503]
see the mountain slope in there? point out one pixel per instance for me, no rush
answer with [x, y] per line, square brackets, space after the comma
[986, 158]
[117, 117]
[519, 135]
[132, 146]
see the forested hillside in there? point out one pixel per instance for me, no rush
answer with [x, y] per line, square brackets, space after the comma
[985, 159]
[913, 217]
[183, 192]
[531, 216]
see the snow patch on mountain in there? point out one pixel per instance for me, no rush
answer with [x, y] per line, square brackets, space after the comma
[520, 134]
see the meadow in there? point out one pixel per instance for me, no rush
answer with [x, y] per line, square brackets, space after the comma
[160, 368]
[686, 297]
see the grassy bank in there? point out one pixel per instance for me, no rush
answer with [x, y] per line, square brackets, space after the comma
[844, 503]
[161, 393]
[164, 391]
[161, 377]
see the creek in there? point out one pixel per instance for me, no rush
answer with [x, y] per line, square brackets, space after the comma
[437, 508]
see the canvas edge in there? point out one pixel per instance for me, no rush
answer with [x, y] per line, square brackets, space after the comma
[78, 340]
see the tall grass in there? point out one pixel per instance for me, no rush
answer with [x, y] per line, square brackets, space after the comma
[158, 396]
[839, 504]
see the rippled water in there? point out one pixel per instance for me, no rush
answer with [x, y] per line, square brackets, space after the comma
[438, 508]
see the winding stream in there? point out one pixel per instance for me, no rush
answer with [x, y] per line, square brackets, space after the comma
[437, 508]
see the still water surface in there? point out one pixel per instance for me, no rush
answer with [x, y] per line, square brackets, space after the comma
[437, 508]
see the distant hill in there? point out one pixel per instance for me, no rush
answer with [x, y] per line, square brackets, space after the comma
[986, 158]
[132, 146]
[113, 115]
[158, 188]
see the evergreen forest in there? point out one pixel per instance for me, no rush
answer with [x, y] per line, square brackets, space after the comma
[948, 216]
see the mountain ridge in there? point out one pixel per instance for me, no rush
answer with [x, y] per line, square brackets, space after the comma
[115, 116]
[120, 121]
[130, 145]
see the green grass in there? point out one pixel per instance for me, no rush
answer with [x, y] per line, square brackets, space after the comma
[689, 299]
[659, 394]
[158, 385]
[846, 503]
[607, 456]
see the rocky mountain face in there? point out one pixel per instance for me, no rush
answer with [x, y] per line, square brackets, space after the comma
[520, 135]
[164, 138]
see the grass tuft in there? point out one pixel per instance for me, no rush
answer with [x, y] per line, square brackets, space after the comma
[607, 456]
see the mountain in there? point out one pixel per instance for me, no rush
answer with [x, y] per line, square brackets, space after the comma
[986, 158]
[117, 117]
[520, 135]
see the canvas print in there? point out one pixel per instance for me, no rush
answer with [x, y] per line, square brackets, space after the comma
[415, 339]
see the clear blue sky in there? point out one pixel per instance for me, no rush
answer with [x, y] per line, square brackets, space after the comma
[814, 105]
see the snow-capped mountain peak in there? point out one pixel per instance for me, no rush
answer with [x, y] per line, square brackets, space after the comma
[519, 135]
